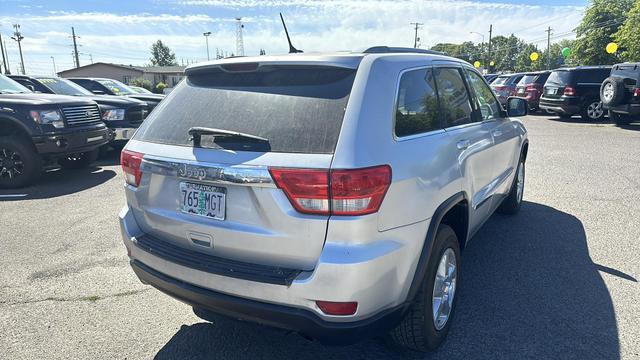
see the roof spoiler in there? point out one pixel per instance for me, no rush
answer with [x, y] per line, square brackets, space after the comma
[390, 49]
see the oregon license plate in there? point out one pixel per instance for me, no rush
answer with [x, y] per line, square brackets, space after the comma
[203, 200]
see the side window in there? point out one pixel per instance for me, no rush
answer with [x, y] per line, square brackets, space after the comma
[417, 107]
[453, 95]
[487, 103]
[87, 84]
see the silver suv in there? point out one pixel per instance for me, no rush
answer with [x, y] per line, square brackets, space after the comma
[325, 194]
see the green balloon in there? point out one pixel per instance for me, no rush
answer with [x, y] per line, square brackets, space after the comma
[566, 52]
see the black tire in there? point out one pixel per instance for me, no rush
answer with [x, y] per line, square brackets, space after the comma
[614, 91]
[417, 330]
[619, 119]
[595, 114]
[29, 168]
[79, 160]
[512, 203]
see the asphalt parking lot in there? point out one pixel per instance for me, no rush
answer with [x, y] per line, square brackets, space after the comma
[559, 280]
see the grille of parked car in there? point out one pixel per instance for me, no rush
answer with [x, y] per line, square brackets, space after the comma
[82, 115]
[135, 116]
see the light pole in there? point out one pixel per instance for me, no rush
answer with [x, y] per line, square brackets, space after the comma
[206, 36]
[55, 71]
[17, 36]
[481, 45]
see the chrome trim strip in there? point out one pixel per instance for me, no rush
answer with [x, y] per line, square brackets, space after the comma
[243, 175]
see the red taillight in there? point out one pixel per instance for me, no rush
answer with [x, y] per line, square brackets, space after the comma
[500, 88]
[569, 91]
[636, 92]
[337, 308]
[130, 162]
[336, 192]
[307, 189]
[359, 191]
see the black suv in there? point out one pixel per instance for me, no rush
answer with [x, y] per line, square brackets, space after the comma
[102, 86]
[575, 91]
[36, 129]
[620, 93]
[122, 115]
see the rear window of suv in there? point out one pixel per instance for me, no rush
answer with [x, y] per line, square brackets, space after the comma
[298, 109]
[560, 77]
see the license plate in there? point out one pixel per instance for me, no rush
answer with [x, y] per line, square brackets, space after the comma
[551, 91]
[203, 200]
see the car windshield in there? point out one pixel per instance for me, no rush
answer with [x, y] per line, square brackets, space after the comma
[528, 79]
[501, 80]
[117, 87]
[8, 86]
[297, 108]
[63, 86]
[140, 90]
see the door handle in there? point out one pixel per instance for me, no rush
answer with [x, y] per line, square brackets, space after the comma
[497, 133]
[463, 144]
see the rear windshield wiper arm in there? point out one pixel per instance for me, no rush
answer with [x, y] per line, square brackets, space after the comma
[196, 133]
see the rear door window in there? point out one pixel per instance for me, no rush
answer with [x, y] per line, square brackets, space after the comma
[454, 97]
[298, 109]
[560, 78]
[417, 104]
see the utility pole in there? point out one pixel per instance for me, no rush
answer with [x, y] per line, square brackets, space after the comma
[6, 54]
[239, 37]
[75, 47]
[4, 59]
[91, 58]
[17, 36]
[490, 35]
[548, 31]
[206, 36]
[55, 71]
[417, 25]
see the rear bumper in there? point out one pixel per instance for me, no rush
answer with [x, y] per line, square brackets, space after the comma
[564, 105]
[377, 275]
[628, 109]
[279, 316]
[73, 141]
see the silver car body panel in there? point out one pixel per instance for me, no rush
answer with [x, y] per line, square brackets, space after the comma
[370, 259]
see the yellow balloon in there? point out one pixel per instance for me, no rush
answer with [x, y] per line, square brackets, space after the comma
[612, 47]
[476, 64]
[492, 63]
[534, 56]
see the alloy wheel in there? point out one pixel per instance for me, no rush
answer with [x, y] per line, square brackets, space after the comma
[595, 110]
[607, 92]
[444, 288]
[11, 163]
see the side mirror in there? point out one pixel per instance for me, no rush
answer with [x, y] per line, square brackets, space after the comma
[98, 92]
[517, 107]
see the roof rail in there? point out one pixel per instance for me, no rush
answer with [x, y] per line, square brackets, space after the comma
[389, 49]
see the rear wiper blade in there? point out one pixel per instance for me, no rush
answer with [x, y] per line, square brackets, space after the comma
[196, 133]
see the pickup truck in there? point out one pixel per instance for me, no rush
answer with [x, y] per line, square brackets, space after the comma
[39, 129]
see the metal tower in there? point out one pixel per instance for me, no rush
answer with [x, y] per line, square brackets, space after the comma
[239, 42]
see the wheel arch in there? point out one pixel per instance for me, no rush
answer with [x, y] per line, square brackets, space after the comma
[453, 212]
[10, 126]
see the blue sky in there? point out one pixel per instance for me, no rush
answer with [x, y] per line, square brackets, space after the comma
[122, 31]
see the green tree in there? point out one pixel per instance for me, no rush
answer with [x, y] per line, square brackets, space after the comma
[601, 21]
[628, 37]
[161, 55]
[142, 82]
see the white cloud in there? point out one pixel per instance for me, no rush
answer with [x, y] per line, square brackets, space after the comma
[313, 25]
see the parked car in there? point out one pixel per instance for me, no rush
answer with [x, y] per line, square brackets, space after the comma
[140, 90]
[36, 129]
[102, 86]
[505, 86]
[620, 93]
[575, 91]
[277, 197]
[530, 87]
[122, 115]
[490, 77]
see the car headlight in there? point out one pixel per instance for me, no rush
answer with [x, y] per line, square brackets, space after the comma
[53, 117]
[113, 114]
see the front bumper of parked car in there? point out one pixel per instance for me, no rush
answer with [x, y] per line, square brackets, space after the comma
[72, 140]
